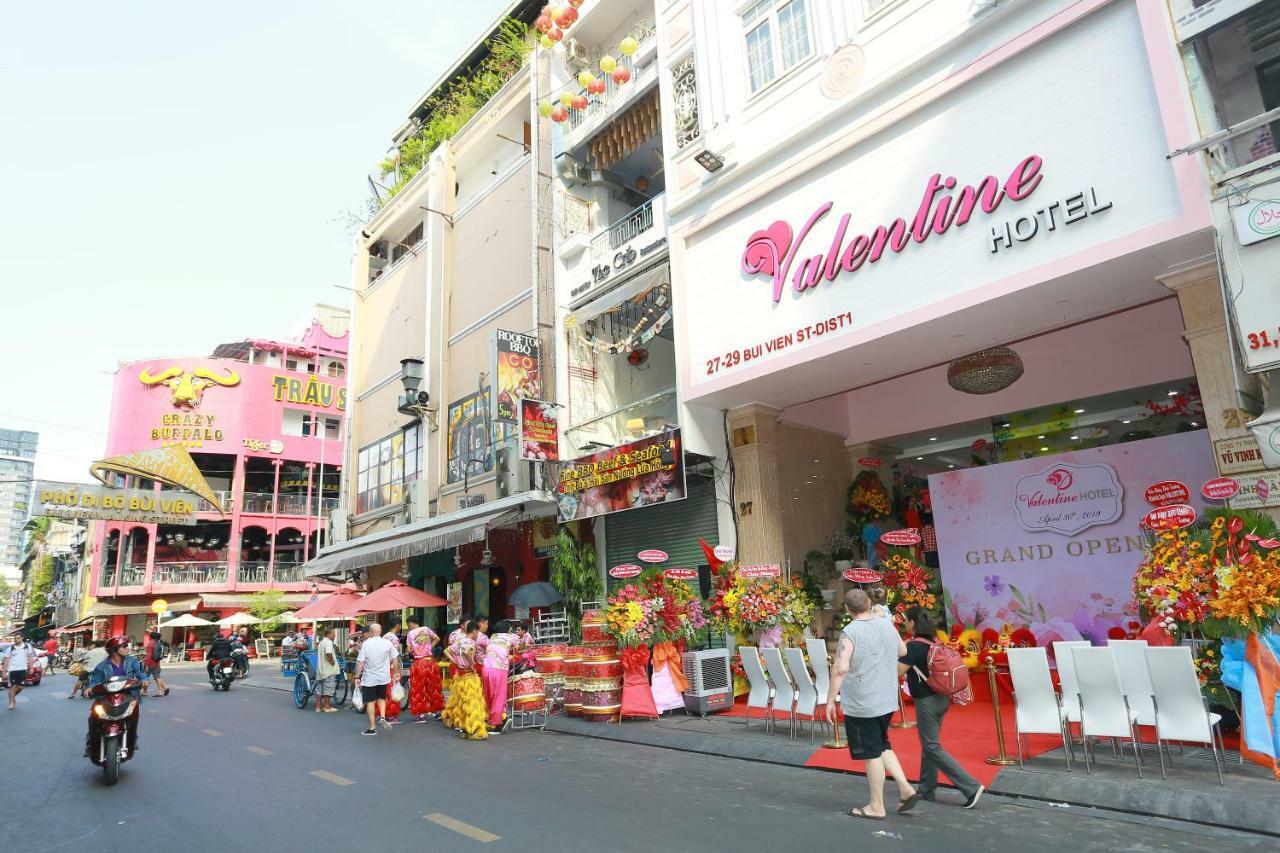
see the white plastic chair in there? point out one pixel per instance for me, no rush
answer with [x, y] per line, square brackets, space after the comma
[1067, 677]
[1103, 709]
[1181, 712]
[761, 693]
[806, 693]
[1135, 680]
[784, 689]
[821, 668]
[1037, 708]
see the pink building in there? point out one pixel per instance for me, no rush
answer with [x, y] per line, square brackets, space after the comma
[263, 420]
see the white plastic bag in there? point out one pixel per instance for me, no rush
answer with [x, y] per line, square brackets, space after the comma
[356, 699]
[397, 692]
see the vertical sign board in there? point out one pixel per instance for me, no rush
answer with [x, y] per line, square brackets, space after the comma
[517, 372]
[1254, 273]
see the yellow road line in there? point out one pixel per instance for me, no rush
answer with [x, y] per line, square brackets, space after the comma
[332, 777]
[472, 832]
[257, 750]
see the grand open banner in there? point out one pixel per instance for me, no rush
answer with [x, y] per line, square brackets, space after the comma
[1052, 543]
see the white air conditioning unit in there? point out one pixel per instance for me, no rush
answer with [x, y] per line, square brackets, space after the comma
[710, 681]
[576, 53]
[419, 501]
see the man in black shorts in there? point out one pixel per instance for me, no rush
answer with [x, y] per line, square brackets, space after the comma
[866, 668]
[20, 657]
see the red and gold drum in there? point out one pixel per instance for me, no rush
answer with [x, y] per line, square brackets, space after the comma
[573, 681]
[527, 692]
[593, 632]
[602, 699]
[600, 662]
[550, 658]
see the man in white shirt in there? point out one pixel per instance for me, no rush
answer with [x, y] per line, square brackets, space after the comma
[377, 667]
[326, 672]
[20, 657]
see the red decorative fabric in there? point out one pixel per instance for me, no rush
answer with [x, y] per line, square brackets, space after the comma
[425, 693]
[637, 696]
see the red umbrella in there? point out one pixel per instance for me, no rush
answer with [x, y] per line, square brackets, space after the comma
[341, 602]
[397, 595]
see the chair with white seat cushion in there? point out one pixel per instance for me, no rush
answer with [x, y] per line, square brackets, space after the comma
[1037, 708]
[1104, 712]
[806, 693]
[1181, 712]
[785, 694]
[817, 650]
[1067, 677]
[1135, 681]
[761, 693]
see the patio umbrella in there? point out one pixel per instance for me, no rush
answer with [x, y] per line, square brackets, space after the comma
[398, 595]
[536, 594]
[341, 603]
[240, 618]
[186, 620]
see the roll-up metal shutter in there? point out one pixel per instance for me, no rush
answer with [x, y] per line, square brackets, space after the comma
[672, 527]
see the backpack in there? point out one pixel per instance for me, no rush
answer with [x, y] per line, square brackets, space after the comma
[948, 675]
[158, 651]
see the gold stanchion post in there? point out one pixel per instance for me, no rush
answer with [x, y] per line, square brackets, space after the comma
[1002, 759]
[902, 721]
[836, 742]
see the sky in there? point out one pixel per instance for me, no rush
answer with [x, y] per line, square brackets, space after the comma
[176, 175]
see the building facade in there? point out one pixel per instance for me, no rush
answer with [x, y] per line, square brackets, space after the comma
[17, 473]
[264, 422]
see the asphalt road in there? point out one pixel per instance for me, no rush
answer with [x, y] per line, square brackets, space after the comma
[244, 770]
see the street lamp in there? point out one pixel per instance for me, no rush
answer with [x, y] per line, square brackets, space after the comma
[415, 402]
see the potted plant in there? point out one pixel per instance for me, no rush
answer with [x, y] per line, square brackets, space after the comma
[840, 545]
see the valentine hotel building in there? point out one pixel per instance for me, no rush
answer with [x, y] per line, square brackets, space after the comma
[263, 420]
[943, 245]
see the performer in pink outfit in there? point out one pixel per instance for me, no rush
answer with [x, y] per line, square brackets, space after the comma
[496, 659]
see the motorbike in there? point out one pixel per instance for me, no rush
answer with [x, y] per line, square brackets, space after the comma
[113, 725]
[222, 674]
[241, 658]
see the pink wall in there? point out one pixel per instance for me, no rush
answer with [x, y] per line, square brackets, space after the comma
[1125, 350]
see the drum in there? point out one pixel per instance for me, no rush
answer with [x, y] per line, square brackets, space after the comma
[602, 699]
[550, 658]
[527, 692]
[600, 662]
[573, 681]
[593, 632]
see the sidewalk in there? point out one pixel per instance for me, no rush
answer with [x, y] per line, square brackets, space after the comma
[1191, 792]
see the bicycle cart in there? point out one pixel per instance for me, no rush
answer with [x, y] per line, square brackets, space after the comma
[305, 683]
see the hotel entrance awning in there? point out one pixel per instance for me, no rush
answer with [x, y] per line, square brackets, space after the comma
[434, 534]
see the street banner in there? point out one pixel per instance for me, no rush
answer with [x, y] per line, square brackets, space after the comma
[539, 430]
[102, 503]
[638, 473]
[517, 366]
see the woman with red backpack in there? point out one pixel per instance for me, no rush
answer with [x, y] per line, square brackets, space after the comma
[932, 688]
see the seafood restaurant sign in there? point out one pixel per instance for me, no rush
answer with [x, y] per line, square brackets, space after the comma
[1052, 543]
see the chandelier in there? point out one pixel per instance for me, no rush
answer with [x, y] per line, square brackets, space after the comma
[985, 372]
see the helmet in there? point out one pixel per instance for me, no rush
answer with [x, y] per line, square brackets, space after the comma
[114, 644]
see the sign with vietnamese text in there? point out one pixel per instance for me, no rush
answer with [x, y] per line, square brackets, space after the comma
[724, 553]
[681, 574]
[1173, 517]
[1167, 492]
[1067, 498]
[309, 392]
[870, 462]
[632, 475]
[1220, 488]
[538, 428]
[102, 503]
[627, 570]
[768, 570]
[901, 538]
[862, 576]
[1238, 455]
[652, 555]
[1259, 490]
[517, 366]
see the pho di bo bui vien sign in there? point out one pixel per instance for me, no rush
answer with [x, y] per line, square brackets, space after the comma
[103, 503]
[309, 392]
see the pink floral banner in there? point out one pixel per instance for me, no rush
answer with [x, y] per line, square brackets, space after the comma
[1052, 543]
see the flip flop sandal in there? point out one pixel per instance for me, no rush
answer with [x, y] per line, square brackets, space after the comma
[909, 803]
[856, 812]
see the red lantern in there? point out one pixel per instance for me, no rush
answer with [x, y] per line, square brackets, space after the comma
[579, 102]
[575, 3]
[621, 75]
[567, 17]
[597, 86]
[555, 34]
[543, 23]
[559, 114]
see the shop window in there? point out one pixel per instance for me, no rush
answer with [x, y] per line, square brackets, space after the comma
[310, 424]
[776, 38]
[622, 377]
[386, 467]
[336, 369]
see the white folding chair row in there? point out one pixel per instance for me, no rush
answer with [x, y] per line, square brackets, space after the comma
[1038, 710]
[783, 684]
[761, 692]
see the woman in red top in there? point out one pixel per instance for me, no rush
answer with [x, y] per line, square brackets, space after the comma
[51, 652]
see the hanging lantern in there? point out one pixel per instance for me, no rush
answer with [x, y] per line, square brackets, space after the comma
[566, 99]
[585, 79]
[544, 109]
[597, 86]
[628, 46]
[638, 357]
[986, 371]
[543, 23]
[621, 75]
[575, 3]
[608, 63]
[555, 34]
[546, 41]
[579, 102]
[567, 17]
[559, 114]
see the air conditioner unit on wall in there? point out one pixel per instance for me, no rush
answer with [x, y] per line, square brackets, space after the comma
[576, 53]
[512, 472]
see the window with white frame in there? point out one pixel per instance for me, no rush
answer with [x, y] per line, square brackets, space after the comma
[776, 34]
[871, 8]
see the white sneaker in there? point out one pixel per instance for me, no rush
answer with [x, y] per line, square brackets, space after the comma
[977, 795]
[385, 722]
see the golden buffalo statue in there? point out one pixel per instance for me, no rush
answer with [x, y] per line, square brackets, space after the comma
[188, 386]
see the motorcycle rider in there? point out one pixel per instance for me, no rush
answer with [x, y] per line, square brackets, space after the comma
[118, 664]
[240, 651]
[219, 649]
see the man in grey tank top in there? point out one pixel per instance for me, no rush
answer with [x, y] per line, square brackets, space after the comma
[866, 668]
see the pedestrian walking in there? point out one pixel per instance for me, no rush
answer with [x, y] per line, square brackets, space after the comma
[866, 668]
[326, 672]
[51, 653]
[426, 696]
[931, 707]
[20, 657]
[377, 667]
[152, 657]
[392, 635]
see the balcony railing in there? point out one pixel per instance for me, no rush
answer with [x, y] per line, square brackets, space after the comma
[189, 573]
[261, 573]
[640, 227]
[603, 103]
[289, 573]
[108, 577]
[224, 498]
[264, 503]
[133, 576]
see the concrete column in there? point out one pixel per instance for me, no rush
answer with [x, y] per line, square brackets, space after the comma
[871, 450]
[757, 494]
